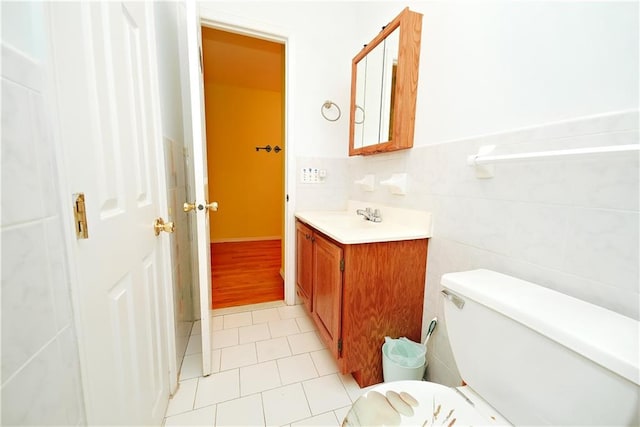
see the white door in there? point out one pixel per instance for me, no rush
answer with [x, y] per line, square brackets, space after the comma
[201, 205]
[107, 103]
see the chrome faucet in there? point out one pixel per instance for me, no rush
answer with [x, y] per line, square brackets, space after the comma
[370, 214]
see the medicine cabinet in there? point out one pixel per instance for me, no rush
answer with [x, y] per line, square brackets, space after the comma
[384, 86]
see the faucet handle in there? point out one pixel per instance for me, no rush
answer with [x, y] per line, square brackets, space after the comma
[368, 210]
[376, 213]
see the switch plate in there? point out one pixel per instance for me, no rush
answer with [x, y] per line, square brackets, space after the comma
[311, 175]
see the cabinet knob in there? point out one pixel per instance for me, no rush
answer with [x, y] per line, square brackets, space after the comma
[307, 236]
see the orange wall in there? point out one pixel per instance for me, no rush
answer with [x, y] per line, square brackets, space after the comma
[244, 111]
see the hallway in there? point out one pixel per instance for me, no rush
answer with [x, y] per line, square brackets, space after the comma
[270, 368]
[246, 273]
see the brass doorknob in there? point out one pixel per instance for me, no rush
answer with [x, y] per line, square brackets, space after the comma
[159, 225]
[188, 206]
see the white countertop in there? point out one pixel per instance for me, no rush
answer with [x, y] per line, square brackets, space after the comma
[349, 228]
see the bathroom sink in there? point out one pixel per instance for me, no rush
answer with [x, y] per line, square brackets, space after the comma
[349, 228]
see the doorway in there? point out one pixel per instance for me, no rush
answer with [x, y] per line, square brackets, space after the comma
[244, 110]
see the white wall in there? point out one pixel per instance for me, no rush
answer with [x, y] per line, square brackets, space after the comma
[491, 66]
[40, 367]
[166, 23]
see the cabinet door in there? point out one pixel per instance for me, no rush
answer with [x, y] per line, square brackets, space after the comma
[304, 260]
[327, 291]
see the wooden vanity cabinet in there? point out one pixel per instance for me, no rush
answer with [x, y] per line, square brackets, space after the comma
[361, 293]
[319, 282]
[304, 262]
[328, 265]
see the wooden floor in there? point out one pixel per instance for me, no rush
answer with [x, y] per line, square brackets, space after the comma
[246, 273]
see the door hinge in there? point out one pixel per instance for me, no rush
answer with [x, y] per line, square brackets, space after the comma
[287, 198]
[80, 215]
[201, 70]
[342, 264]
[339, 346]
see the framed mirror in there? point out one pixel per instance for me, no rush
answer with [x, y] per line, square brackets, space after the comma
[384, 83]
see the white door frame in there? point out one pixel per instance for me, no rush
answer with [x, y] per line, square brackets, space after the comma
[248, 27]
[198, 161]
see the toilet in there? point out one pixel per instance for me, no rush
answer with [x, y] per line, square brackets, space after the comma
[528, 356]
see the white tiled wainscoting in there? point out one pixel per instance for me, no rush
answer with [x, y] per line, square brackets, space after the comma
[40, 365]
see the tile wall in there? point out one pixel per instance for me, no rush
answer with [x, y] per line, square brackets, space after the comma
[40, 368]
[331, 193]
[180, 243]
[570, 224]
[173, 88]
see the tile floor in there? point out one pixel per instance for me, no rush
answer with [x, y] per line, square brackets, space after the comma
[270, 368]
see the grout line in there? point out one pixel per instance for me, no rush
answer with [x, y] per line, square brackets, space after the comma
[315, 365]
[240, 382]
[264, 414]
[279, 373]
[306, 398]
[185, 411]
[29, 222]
[193, 404]
[336, 415]
[289, 344]
[52, 341]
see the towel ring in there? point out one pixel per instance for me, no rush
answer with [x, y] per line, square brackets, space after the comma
[361, 121]
[327, 105]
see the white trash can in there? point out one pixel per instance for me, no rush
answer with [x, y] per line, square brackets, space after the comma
[395, 367]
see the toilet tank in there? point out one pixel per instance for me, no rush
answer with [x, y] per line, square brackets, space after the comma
[539, 356]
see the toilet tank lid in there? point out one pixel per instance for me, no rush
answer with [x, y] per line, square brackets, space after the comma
[603, 336]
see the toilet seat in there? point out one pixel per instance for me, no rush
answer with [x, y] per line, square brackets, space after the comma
[461, 404]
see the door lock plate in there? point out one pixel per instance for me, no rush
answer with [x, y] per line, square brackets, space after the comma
[80, 216]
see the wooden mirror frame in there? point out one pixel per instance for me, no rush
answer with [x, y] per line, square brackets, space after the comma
[406, 84]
